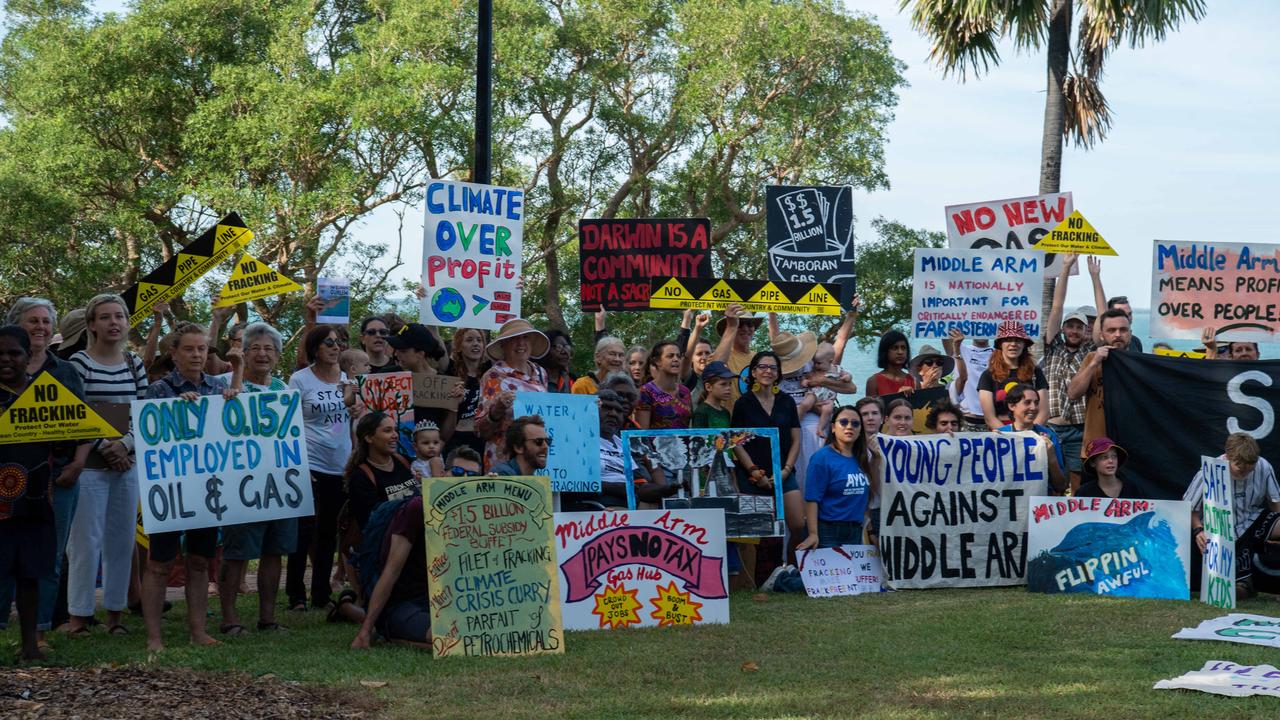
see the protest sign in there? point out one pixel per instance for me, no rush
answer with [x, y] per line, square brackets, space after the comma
[573, 422]
[642, 568]
[174, 275]
[251, 280]
[1221, 398]
[921, 402]
[954, 508]
[1075, 235]
[1170, 352]
[471, 255]
[1221, 677]
[1237, 628]
[973, 291]
[844, 570]
[1012, 224]
[391, 393]
[435, 391]
[1218, 579]
[491, 561]
[336, 294]
[619, 256]
[1110, 546]
[810, 235]
[1231, 287]
[701, 463]
[217, 462]
[752, 295]
[48, 411]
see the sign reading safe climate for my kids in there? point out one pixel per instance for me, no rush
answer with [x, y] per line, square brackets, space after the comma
[217, 462]
[1232, 287]
[642, 568]
[471, 255]
[954, 512]
[973, 291]
[1012, 224]
[619, 256]
[1218, 580]
[491, 562]
[1110, 546]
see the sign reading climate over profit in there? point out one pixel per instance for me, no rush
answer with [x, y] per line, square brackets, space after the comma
[973, 291]
[471, 255]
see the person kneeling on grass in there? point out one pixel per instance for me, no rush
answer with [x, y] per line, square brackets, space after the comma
[399, 606]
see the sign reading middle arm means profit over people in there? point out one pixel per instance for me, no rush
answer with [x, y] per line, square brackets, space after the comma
[471, 255]
[752, 295]
[216, 462]
[1232, 287]
[619, 256]
[973, 291]
[191, 262]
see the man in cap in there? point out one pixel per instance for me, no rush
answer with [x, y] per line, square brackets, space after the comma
[736, 330]
[1067, 341]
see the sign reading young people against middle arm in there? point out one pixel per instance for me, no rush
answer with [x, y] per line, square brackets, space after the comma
[618, 256]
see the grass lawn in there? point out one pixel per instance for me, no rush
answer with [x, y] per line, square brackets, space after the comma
[926, 654]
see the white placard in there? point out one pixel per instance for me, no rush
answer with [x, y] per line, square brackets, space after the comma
[844, 570]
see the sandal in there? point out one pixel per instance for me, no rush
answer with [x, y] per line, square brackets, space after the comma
[300, 606]
[344, 597]
[80, 632]
[271, 627]
[117, 630]
[232, 629]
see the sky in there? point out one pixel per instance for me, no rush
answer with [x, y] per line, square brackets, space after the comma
[1191, 155]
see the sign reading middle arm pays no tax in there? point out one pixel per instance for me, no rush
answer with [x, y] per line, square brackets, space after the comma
[973, 291]
[217, 462]
[471, 255]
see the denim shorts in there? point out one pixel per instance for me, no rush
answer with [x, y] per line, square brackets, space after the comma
[834, 533]
[1070, 436]
[250, 541]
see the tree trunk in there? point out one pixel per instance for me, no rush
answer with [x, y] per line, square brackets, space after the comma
[1059, 52]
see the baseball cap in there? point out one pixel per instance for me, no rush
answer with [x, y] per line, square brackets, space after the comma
[416, 336]
[1078, 314]
[716, 370]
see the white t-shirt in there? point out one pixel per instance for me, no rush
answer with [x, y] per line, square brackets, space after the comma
[975, 360]
[327, 422]
[1250, 494]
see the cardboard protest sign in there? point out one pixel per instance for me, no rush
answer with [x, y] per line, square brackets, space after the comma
[1237, 628]
[1170, 352]
[1075, 235]
[1011, 224]
[701, 462]
[435, 391]
[954, 508]
[974, 291]
[491, 561]
[573, 422]
[844, 570]
[810, 235]
[471, 255]
[48, 411]
[391, 393]
[642, 568]
[619, 256]
[251, 280]
[1236, 396]
[218, 462]
[1218, 578]
[752, 295]
[336, 293]
[1221, 677]
[1110, 546]
[921, 402]
[186, 266]
[1232, 287]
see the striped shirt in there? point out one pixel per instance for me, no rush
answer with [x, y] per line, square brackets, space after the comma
[1250, 494]
[121, 383]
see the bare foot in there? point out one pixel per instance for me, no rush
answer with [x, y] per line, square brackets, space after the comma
[155, 646]
[33, 655]
[204, 639]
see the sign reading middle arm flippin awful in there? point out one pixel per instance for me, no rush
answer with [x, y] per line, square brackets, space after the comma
[752, 295]
[975, 290]
[471, 255]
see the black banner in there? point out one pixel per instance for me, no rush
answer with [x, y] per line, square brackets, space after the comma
[810, 235]
[619, 256]
[1167, 412]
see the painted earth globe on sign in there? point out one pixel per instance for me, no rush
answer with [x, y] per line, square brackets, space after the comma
[447, 305]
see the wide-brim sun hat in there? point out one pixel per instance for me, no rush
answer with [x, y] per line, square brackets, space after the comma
[795, 351]
[746, 317]
[927, 352]
[538, 343]
[1012, 330]
[72, 327]
[1100, 445]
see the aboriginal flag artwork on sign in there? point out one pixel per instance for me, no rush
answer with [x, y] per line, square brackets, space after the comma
[753, 295]
[191, 262]
[619, 256]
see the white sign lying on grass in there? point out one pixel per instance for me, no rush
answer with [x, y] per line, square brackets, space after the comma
[1236, 627]
[844, 570]
[1227, 678]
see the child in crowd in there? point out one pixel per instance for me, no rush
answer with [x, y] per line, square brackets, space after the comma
[353, 362]
[717, 397]
[427, 444]
[825, 398]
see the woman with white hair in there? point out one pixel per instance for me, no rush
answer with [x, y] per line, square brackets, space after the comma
[611, 356]
[103, 529]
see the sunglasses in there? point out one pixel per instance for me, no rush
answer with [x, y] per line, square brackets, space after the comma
[380, 333]
[846, 422]
[463, 472]
[540, 441]
[331, 342]
[932, 362]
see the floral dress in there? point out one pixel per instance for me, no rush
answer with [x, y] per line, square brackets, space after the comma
[496, 380]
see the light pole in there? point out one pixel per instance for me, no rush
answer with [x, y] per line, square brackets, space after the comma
[482, 172]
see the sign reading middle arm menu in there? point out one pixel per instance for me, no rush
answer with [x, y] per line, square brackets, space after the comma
[471, 255]
[1231, 287]
[217, 462]
[973, 291]
[954, 508]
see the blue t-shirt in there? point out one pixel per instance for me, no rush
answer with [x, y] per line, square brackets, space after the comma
[839, 486]
[1057, 444]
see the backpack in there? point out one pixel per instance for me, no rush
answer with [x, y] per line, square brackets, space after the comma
[367, 558]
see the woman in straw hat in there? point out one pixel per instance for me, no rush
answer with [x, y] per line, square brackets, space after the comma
[513, 351]
[795, 352]
[1011, 363]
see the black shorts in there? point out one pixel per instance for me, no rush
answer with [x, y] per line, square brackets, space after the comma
[26, 549]
[202, 542]
[1259, 556]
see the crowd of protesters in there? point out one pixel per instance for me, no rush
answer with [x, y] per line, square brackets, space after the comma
[72, 524]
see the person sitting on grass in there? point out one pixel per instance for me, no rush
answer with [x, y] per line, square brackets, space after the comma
[399, 606]
[1024, 406]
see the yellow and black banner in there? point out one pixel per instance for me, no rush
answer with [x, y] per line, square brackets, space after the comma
[253, 279]
[752, 295]
[47, 411]
[199, 257]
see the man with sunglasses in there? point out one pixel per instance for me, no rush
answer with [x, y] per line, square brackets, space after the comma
[528, 443]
